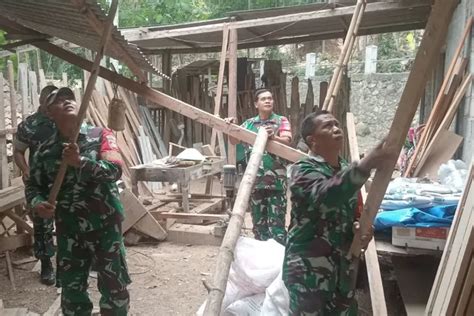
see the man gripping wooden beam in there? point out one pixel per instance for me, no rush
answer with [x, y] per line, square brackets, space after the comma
[428, 52]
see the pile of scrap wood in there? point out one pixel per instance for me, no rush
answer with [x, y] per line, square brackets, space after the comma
[453, 290]
[140, 142]
[437, 144]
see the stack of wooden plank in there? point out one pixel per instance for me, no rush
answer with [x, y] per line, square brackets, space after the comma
[128, 140]
[437, 144]
[453, 290]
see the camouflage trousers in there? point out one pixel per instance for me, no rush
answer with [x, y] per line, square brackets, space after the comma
[75, 255]
[322, 290]
[268, 214]
[43, 245]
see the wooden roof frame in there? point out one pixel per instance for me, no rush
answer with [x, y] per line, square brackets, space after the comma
[177, 38]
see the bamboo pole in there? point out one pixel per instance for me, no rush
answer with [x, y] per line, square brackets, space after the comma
[433, 39]
[435, 111]
[377, 295]
[108, 25]
[345, 50]
[226, 252]
[347, 57]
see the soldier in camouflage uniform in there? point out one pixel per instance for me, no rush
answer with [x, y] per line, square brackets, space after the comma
[88, 212]
[34, 130]
[324, 195]
[268, 199]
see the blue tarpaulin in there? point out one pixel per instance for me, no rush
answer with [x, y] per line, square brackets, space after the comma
[435, 216]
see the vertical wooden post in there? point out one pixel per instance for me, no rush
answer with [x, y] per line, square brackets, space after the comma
[64, 82]
[232, 110]
[216, 135]
[166, 59]
[4, 174]
[13, 106]
[42, 79]
[23, 86]
[34, 90]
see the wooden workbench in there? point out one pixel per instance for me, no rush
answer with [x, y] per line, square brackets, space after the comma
[180, 175]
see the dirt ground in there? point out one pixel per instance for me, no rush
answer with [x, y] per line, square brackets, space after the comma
[166, 280]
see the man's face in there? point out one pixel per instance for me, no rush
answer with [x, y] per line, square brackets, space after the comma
[63, 107]
[264, 102]
[327, 134]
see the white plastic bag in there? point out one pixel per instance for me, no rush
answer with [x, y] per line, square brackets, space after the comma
[249, 306]
[256, 264]
[277, 299]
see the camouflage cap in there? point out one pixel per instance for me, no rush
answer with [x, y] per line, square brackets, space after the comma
[64, 91]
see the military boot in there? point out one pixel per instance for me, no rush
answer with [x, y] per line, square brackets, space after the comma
[47, 272]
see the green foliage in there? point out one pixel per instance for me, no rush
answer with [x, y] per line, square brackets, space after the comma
[3, 61]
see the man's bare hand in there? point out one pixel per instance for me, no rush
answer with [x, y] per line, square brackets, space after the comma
[45, 210]
[270, 131]
[230, 120]
[365, 238]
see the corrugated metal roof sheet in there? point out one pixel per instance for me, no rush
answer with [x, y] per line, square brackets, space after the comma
[63, 19]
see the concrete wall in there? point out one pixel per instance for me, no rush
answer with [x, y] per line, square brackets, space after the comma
[374, 99]
[465, 123]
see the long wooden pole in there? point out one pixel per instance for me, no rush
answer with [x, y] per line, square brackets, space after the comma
[161, 99]
[232, 103]
[434, 113]
[433, 40]
[377, 295]
[217, 135]
[85, 100]
[345, 50]
[226, 252]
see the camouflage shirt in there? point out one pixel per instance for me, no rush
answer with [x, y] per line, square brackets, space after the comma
[89, 197]
[34, 130]
[272, 172]
[324, 201]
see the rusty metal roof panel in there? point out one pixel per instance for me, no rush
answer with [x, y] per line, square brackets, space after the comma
[63, 19]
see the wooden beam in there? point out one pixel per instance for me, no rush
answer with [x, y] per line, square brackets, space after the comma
[430, 47]
[20, 222]
[161, 99]
[11, 46]
[232, 101]
[15, 242]
[456, 246]
[377, 295]
[226, 252]
[141, 35]
[202, 217]
[338, 33]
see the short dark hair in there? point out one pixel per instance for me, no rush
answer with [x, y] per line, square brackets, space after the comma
[259, 92]
[309, 123]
